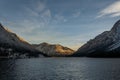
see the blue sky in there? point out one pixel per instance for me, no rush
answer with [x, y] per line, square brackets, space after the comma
[68, 22]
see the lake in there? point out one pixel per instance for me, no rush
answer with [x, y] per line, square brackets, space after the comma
[60, 69]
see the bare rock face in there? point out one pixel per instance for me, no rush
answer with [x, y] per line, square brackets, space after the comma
[13, 46]
[106, 44]
[54, 50]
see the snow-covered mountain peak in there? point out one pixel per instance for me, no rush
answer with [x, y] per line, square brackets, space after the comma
[106, 42]
[116, 27]
[115, 31]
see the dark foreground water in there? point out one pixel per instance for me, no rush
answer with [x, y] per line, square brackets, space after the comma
[60, 69]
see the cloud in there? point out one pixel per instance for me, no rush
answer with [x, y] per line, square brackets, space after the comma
[40, 6]
[46, 16]
[36, 9]
[59, 18]
[112, 10]
[34, 21]
[34, 26]
[31, 12]
[46, 13]
[37, 15]
[76, 14]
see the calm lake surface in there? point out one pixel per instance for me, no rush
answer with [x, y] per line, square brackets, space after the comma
[60, 69]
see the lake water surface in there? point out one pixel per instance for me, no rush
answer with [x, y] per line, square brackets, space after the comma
[60, 69]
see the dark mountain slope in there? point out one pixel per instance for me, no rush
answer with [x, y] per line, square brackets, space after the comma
[106, 44]
[12, 45]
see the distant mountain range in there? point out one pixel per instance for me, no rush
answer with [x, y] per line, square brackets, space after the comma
[106, 44]
[54, 50]
[12, 46]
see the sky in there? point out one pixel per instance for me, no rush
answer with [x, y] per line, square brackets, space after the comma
[70, 23]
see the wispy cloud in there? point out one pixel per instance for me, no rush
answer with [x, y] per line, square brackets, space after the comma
[76, 14]
[31, 12]
[58, 18]
[34, 26]
[46, 16]
[37, 15]
[35, 8]
[36, 18]
[112, 10]
[40, 6]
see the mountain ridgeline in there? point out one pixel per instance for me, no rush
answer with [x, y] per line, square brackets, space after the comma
[12, 46]
[54, 50]
[106, 44]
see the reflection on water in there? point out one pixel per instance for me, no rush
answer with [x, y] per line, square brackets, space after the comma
[60, 69]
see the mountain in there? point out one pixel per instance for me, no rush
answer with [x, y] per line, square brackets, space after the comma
[54, 50]
[12, 45]
[106, 44]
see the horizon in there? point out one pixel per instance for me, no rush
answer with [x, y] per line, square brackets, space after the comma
[70, 23]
